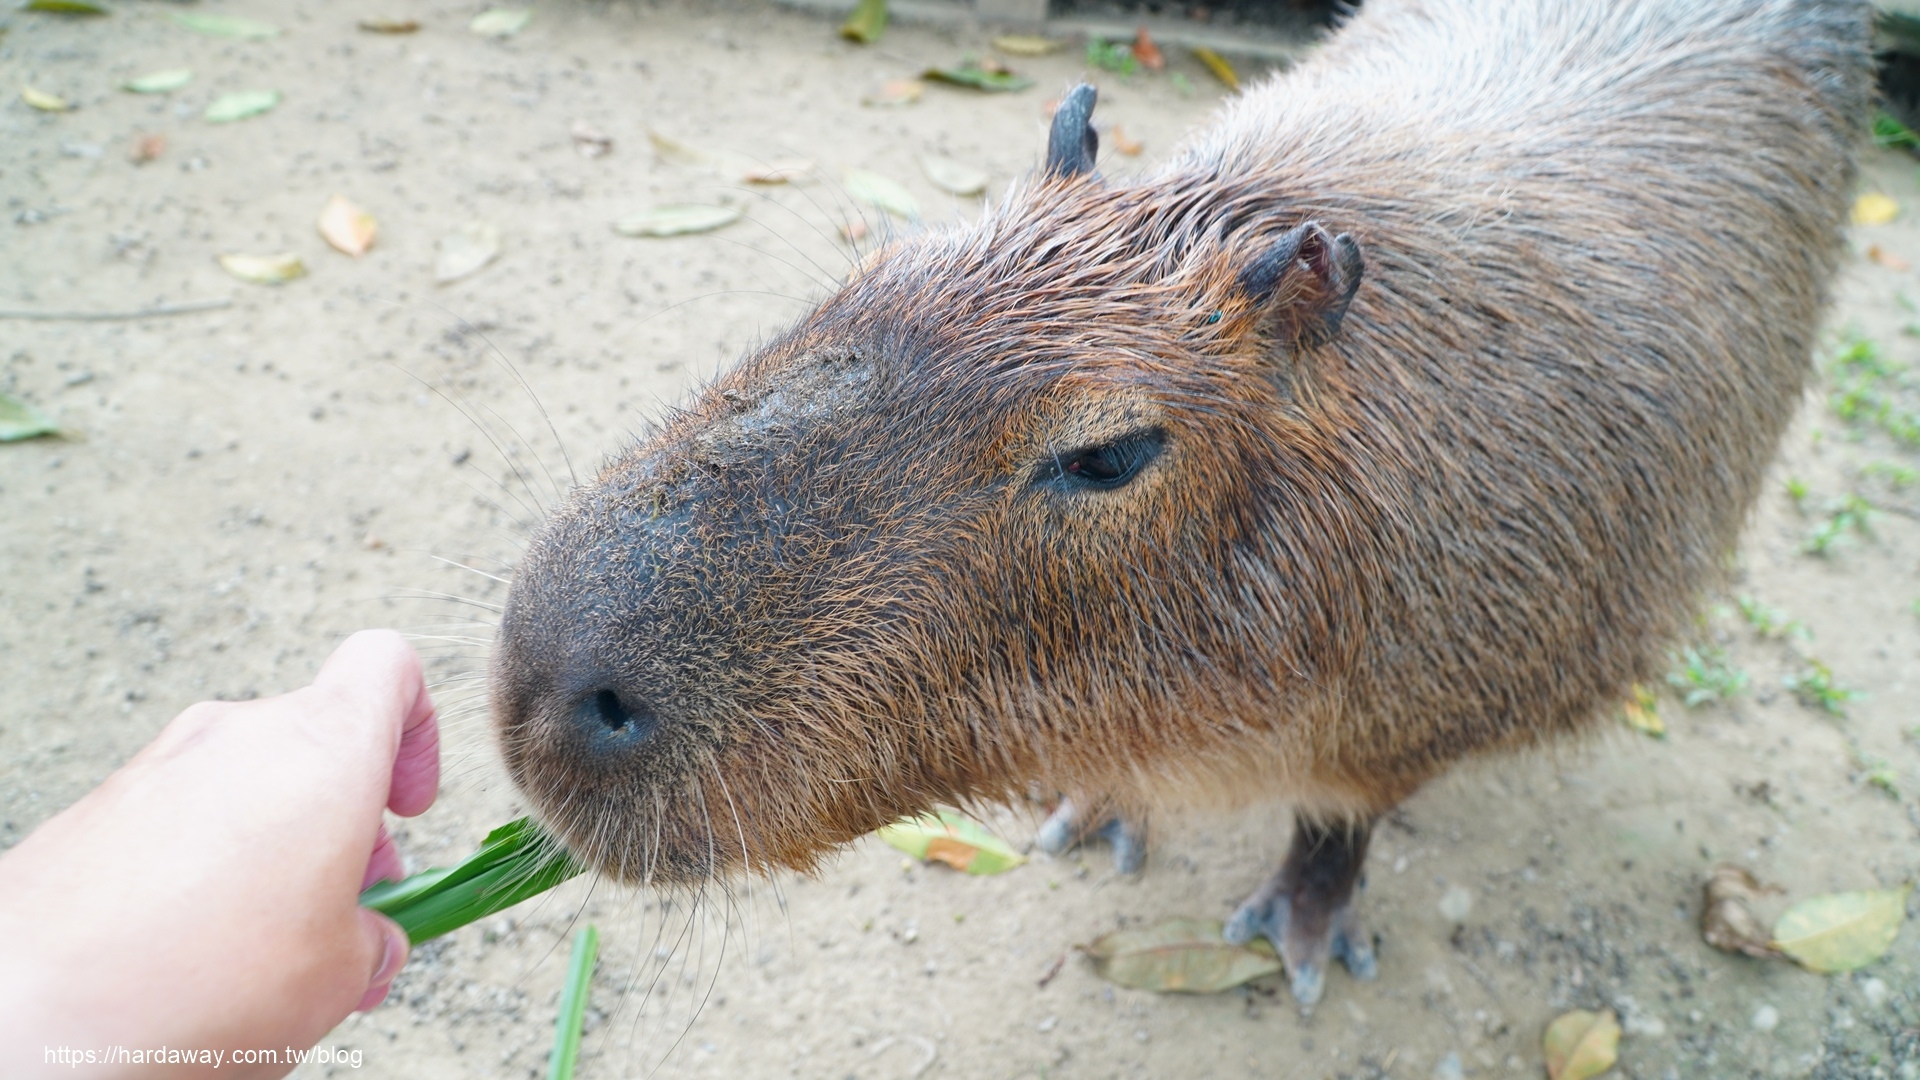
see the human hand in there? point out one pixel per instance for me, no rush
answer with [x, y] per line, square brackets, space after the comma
[206, 895]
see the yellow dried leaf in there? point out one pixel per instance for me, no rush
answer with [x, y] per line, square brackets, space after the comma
[1841, 931]
[1180, 955]
[1581, 1044]
[1027, 45]
[347, 227]
[1874, 208]
[1218, 65]
[264, 269]
[1643, 712]
[952, 839]
[44, 101]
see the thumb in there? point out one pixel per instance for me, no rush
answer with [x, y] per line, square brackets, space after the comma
[387, 945]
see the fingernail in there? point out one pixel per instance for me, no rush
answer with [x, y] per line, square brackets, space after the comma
[393, 956]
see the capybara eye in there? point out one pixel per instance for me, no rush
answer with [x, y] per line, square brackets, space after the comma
[1111, 464]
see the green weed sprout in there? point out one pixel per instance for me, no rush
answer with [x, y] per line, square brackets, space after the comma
[573, 1004]
[1814, 685]
[1703, 675]
[1848, 515]
[1890, 132]
[1771, 622]
[516, 861]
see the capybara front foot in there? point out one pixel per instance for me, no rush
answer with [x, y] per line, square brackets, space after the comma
[1070, 825]
[1307, 910]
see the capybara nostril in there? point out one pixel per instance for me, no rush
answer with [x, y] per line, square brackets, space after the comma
[613, 720]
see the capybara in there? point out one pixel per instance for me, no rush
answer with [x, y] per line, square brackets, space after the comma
[1404, 415]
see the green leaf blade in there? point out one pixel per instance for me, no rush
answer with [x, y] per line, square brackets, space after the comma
[573, 1004]
[516, 861]
[20, 421]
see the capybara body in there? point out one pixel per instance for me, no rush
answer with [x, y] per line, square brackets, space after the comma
[1402, 416]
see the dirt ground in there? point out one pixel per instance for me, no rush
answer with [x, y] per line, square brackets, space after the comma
[244, 486]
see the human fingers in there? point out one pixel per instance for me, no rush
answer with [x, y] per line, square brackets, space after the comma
[387, 945]
[378, 675]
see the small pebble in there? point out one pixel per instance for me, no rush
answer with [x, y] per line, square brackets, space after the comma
[1449, 1068]
[1874, 991]
[1049, 1023]
[1457, 903]
[1765, 1018]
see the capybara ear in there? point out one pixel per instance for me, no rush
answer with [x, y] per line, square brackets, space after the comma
[1072, 145]
[1304, 281]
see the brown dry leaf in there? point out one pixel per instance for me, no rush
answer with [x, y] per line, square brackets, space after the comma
[1129, 147]
[591, 141]
[1580, 1045]
[1180, 955]
[896, 92]
[1145, 51]
[1887, 258]
[347, 227]
[147, 148]
[264, 269]
[1728, 923]
[387, 24]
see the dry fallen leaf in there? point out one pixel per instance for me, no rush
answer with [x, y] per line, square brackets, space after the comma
[951, 176]
[1642, 712]
[896, 92]
[387, 24]
[1841, 931]
[779, 171]
[950, 838]
[1145, 51]
[146, 148]
[989, 75]
[44, 101]
[347, 227]
[465, 251]
[1728, 922]
[853, 231]
[867, 22]
[241, 104]
[887, 194]
[1581, 1044]
[676, 220]
[264, 269]
[1218, 65]
[501, 22]
[591, 141]
[1887, 258]
[1027, 45]
[231, 26]
[1180, 955]
[1874, 208]
[1129, 147]
[159, 82]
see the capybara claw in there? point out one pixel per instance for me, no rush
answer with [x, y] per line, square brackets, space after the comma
[1068, 827]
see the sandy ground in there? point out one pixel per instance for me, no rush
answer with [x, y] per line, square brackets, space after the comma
[246, 485]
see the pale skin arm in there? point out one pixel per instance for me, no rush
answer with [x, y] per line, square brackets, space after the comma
[205, 895]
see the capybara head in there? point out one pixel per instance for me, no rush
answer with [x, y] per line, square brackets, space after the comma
[992, 514]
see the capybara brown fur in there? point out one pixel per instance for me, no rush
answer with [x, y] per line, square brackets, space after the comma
[1402, 416]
